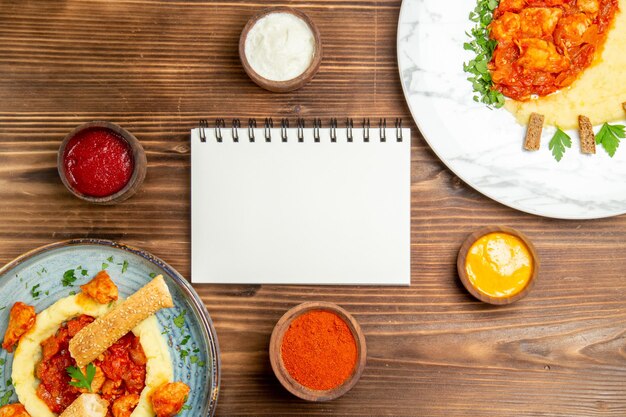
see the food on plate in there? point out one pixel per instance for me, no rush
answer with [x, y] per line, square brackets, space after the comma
[97, 337]
[124, 405]
[87, 405]
[598, 91]
[21, 319]
[533, 133]
[13, 410]
[558, 58]
[121, 378]
[169, 399]
[499, 265]
[116, 374]
[101, 288]
[544, 45]
[587, 137]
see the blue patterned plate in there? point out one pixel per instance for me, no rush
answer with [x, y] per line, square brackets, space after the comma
[44, 275]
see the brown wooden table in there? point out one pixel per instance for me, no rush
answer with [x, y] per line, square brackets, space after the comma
[158, 67]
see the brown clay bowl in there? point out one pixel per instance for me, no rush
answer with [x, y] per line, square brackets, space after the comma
[281, 372]
[139, 159]
[288, 85]
[467, 244]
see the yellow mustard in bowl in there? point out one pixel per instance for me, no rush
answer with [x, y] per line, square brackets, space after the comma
[499, 265]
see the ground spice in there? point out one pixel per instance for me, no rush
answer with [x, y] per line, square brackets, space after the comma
[319, 350]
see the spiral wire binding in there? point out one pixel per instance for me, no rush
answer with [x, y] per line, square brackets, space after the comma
[366, 130]
[236, 126]
[269, 124]
[284, 125]
[317, 125]
[300, 130]
[220, 124]
[349, 126]
[204, 124]
[399, 130]
[333, 130]
[382, 125]
[251, 127]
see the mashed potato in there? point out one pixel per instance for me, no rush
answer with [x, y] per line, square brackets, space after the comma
[28, 353]
[597, 94]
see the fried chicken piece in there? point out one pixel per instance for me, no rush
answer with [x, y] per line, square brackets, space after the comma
[511, 6]
[539, 55]
[13, 410]
[21, 319]
[588, 6]
[539, 22]
[169, 398]
[506, 28]
[124, 406]
[101, 288]
[571, 30]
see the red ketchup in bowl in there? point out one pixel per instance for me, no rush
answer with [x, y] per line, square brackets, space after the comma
[98, 162]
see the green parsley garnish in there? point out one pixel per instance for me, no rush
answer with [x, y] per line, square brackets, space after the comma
[2, 361]
[105, 265]
[152, 275]
[110, 259]
[186, 407]
[609, 137]
[483, 46]
[78, 379]
[179, 321]
[559, 143]
[185, 339]
[6, 397]
[34, 292]
[124, 266]
[183, 354]
[68, 278]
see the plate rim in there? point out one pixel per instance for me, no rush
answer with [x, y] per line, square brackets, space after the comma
[184, 285]
[526, 210]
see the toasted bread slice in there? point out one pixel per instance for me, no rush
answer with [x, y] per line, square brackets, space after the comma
[533, 134]
[97, 337]
[587, 137]
[87, 405]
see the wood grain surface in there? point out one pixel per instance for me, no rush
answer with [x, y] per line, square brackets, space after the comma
[155, 68]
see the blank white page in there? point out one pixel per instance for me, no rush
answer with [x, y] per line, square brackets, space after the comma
[300, 212]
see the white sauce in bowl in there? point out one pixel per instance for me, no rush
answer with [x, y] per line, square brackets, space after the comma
[280, 46]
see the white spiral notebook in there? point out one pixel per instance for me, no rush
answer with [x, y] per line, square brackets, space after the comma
[300, 205]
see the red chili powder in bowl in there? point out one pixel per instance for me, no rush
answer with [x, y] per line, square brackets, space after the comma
[98, 162]
[319, 350]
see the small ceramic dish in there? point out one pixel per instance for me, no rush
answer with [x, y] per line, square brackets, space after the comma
[462, 257]
[283, 375]
[294, 83]
[139, 163]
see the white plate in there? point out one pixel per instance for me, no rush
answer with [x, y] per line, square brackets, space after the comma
[484, 147]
